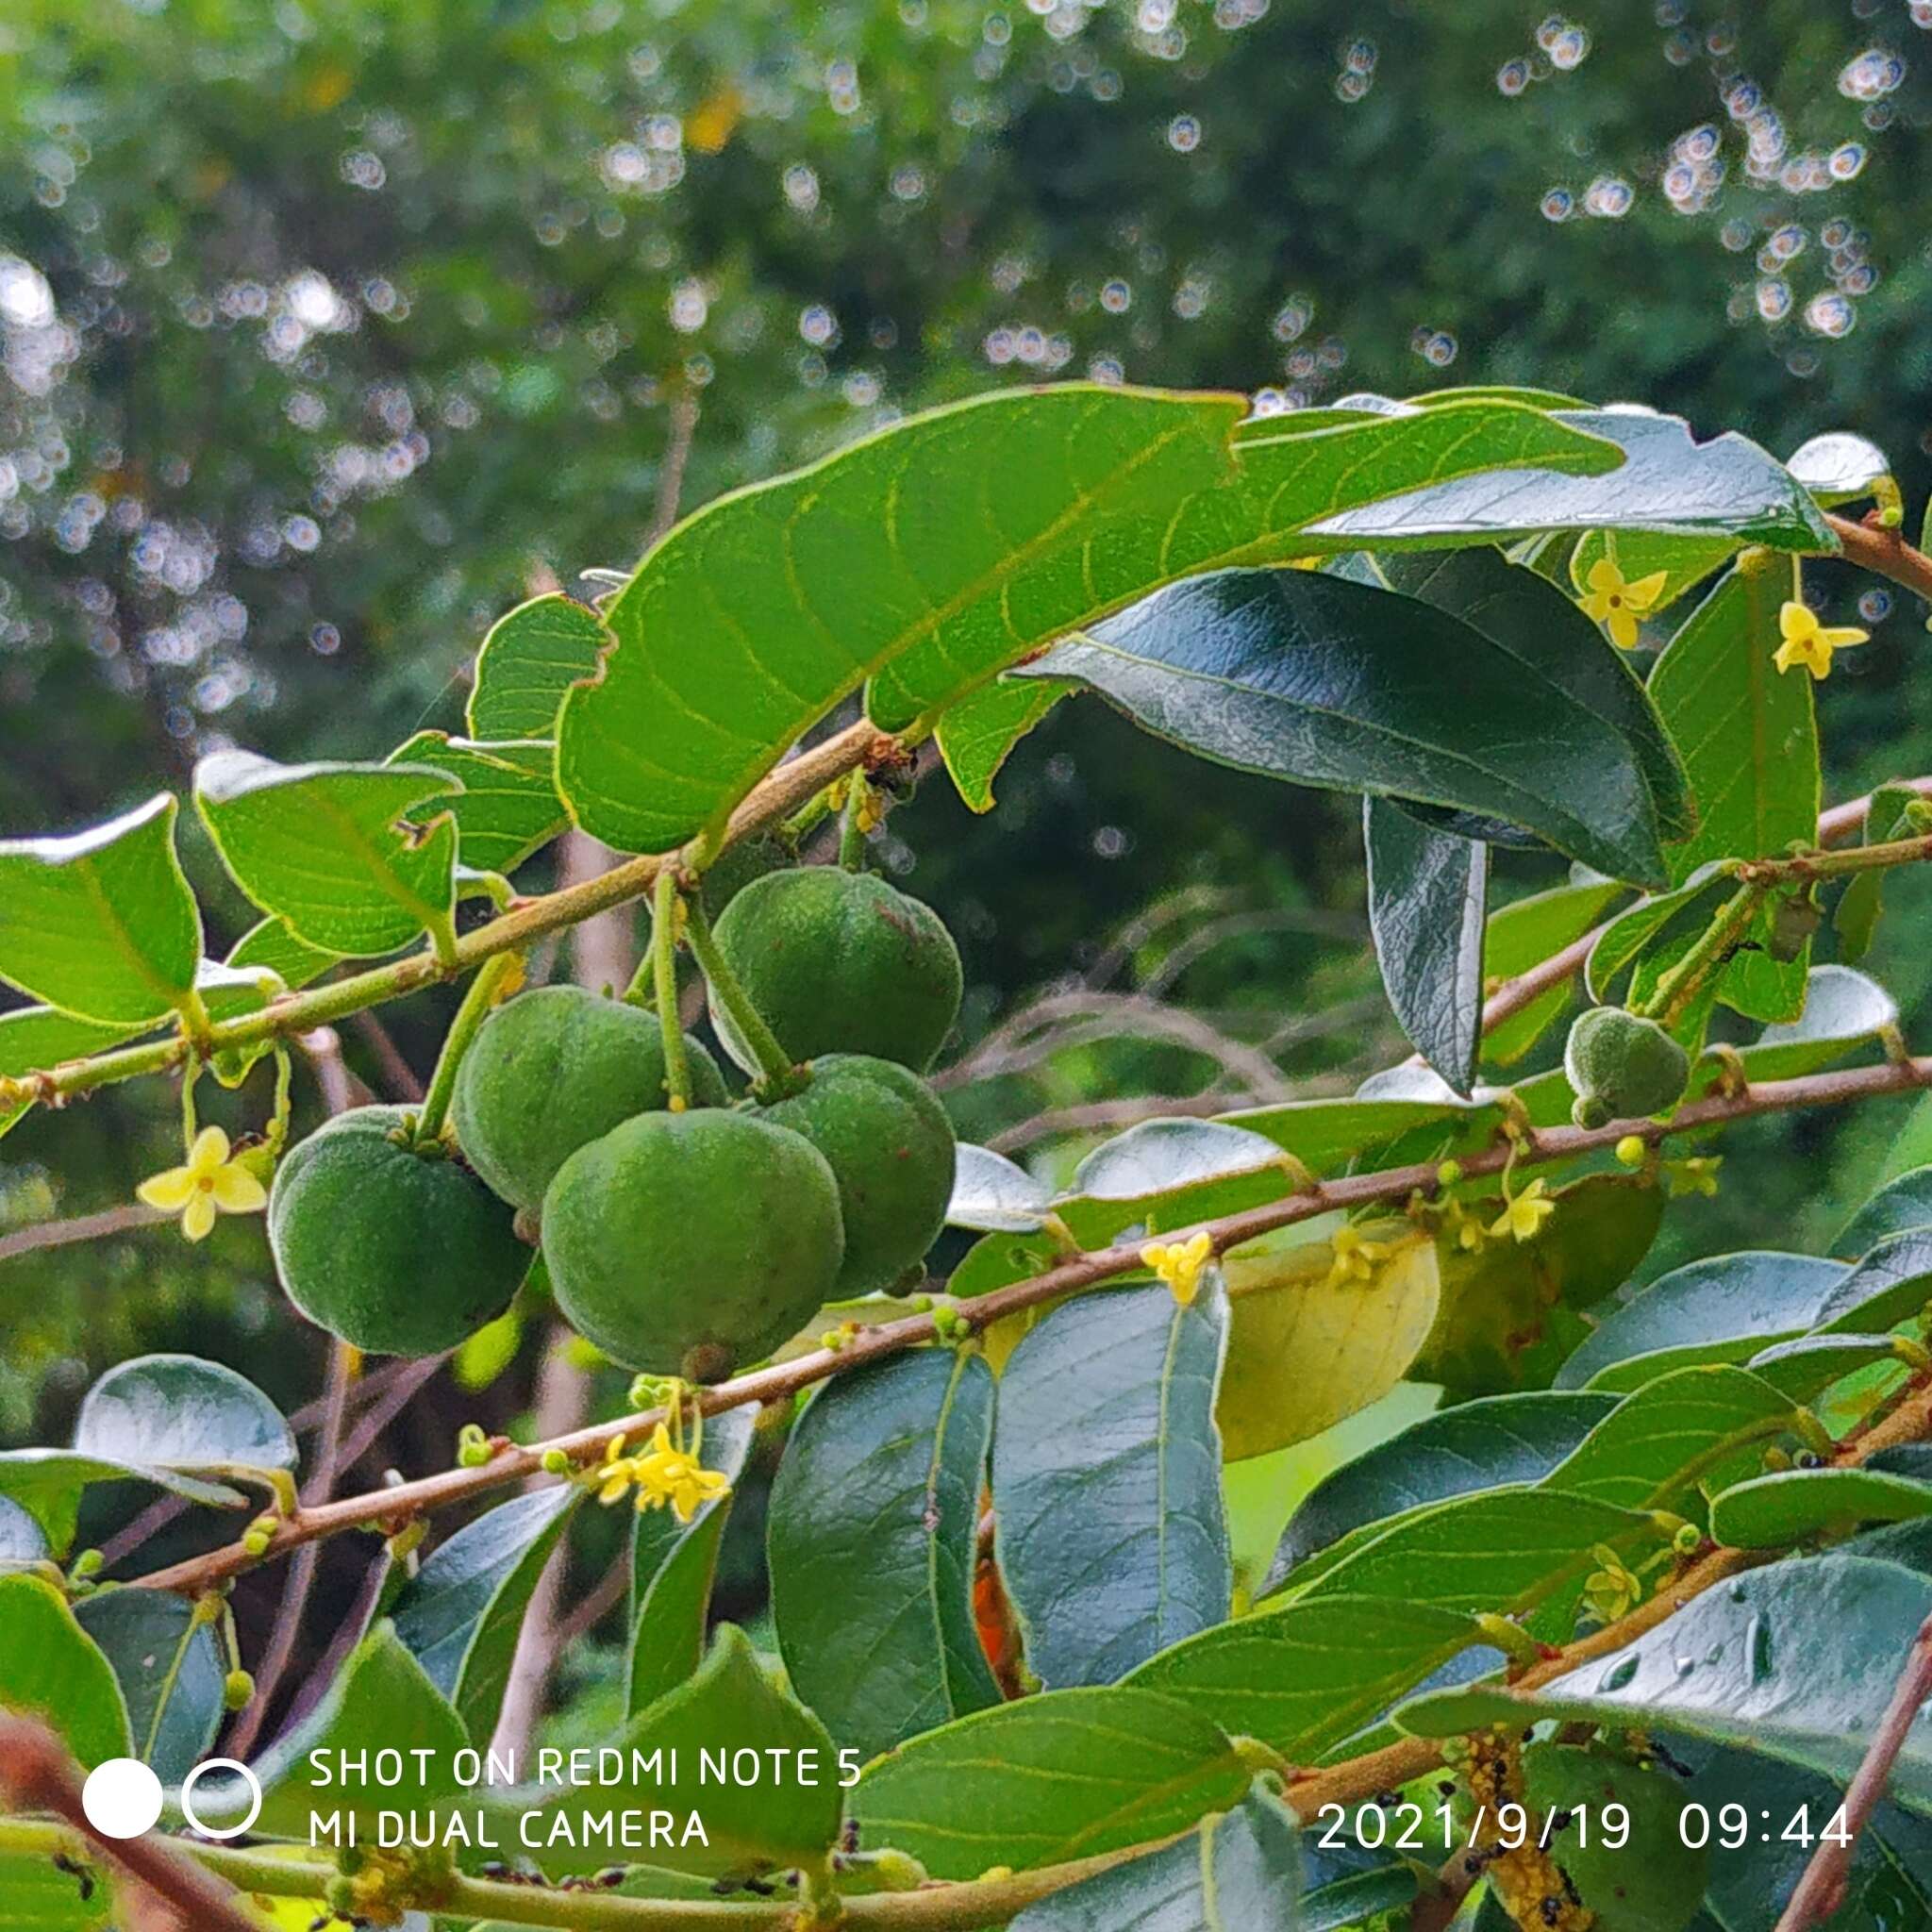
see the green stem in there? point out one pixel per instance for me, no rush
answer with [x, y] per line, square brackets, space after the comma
[475, 1009]
[1681, 984]
[664, 905]
[851, 823]
[1824, 865]
[777, 1069]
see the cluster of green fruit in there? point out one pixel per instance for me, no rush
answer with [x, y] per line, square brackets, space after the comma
[680, 1241]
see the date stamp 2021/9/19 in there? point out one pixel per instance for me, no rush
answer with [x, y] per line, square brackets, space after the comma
[1412, 1826]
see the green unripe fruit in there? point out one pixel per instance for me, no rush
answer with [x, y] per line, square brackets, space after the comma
[690, 1244]
[554, 1068]
[836, 962]
[1621, 1066]
[396, 1250]
[892, 1151]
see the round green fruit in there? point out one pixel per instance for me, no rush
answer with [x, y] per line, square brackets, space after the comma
[554, 1068]
[837, 961]
[396, 1250]
[1623, 1066]
[690, 1244]
[891, 1149]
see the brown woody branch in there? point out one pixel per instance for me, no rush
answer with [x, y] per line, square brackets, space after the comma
[1884, 552]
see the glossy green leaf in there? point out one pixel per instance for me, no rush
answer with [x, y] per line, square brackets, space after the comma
[102, 925]
[36, 1039]
[1524, 933]
[1795, 1661]
[976, 736]
[1843, 1008]
[49, 1484]
[1773, 1513]
[1659, 921]
[1168, 1174]
[1240, 1871]
[508, 808]
[1806, 1366]
[1749, 739]
[672, 1568]
[982, 531]
[873, 1525]
[532, 655]
[994, 1194]
[357, 858]
[1112, 1533]
[1325, 682]
[1724, 1310]
[1840, 466]
[1306, 1676]
[1899, 1207]
[1062, 1775]
[1426, 892]
[170, 1669]
[461, 1614]
[1669, 483]
[790, 1816]
[1326, 1134]
[1890, 1284]
[50, 1669]
[1658, 1444]
[1482, 1444]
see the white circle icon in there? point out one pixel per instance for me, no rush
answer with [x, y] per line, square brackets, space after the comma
[122, 1798]
[241, 1770]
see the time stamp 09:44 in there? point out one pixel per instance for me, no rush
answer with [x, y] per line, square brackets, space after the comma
[1413, 1827]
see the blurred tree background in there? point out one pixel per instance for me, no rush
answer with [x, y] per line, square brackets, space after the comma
[328, 329]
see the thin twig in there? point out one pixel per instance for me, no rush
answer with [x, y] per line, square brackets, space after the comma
[1821, 1889]
[1108, 1114]
[346, 1635]
[399, 1076]
[80, 1227]
[1884, 552]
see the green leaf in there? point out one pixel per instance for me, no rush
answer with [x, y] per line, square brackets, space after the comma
[1240, 1871]
[1167, 1174]
[532, 655]
[358, 858]
[170, 1669]
[790, 1816]
[41, 1897]
[996, 1196]
[102, 925]
[1326, 1134]
[873, 1524]
[1659, 1443]
[1427, 890]
[982, 530]
[1306, 1676]
[1806, 1366]
[508, 808]
[1483, 1444]
[1892, 1284]
[461, 1614]
[1330, 683]
[34, 1040]
[1899, 1207]
[1724, 1310]
[270, 944]
[49, 1484]
[1839, 466]
[51, 1668]
[1523, 934]
[1112, 1532]
[1843, 1009]
[1772, 1512]
[1795, 1661]
[23, 1542]
[1066, 1774]
[1890, 815]
[977, 735]
[1750, 743]
[1669, 483]
[1659, 920]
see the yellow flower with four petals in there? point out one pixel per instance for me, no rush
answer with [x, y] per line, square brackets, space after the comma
[1810, 644]
[208, 1184]
[1617, 605]
[1523, 1214]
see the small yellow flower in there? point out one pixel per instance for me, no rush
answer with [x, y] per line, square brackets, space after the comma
[1179, 1264]
[1619, 606]
[1615, 1589]
[1693, 1177]
[1355, 1256]
[668, 1474]
[1810, 644]
[616, 1472]
[1523, 1214]
[210, 1181]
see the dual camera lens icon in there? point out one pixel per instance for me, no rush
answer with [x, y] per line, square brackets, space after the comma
[123, 1797]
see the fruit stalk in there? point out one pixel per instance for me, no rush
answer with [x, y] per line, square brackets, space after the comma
[777, 1073]
[664, 911]
[483, 994]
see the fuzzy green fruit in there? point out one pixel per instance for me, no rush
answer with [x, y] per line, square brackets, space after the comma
[691, 1243]
[837, 961]
[398, 1252]
[551, 1070]
[1622, 1067]
[892, 1151]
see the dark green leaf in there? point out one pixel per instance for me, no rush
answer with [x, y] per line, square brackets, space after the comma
[994, 1195]
[358, 858]
[1897, 1207]
[977, 735]
[1240, 1871]
[48, 1484]
[873, 1524]
[1805, 1367]
[102, 925]
[1305, 1676]
[50, 1669]
[1326, 682]
[1892, 1284]
[461, 1614]
[1772, 1512]
[1167, 1174]
[1427, 890]
[1063, 1775]
[1112, 1537]
[1722, 1309]
[170, 1669]
[532, 655]
[1326, 1135]
[508, 808]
